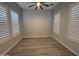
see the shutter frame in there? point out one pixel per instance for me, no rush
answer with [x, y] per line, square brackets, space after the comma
[4, 24]
[73, 27]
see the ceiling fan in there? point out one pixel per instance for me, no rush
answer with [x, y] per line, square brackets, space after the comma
[39, 5]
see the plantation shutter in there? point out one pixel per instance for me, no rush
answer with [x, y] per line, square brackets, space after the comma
[4, 29]
[75, 21]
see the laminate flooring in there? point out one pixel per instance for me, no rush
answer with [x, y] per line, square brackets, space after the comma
[39, 47]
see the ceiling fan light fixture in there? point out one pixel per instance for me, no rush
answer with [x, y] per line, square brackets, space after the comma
[38, 4]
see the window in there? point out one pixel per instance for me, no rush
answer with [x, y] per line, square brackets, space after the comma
[15, 23]
[56, 27]
[4, 28]
[74, 22]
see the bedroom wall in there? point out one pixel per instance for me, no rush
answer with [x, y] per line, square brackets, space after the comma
[37, 23]
[62, 37]
[6, 46]
[40, 24]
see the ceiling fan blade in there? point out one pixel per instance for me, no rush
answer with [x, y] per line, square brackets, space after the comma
[30, 2]
[42, 2]
[45, 5]
[31, 6]
[51, 4]
[36, 8]
[41, 7]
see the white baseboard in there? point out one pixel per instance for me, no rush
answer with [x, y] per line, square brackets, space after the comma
[70, 49]
[37, 37]
[3, 54]
[34, 36]
[11, 47]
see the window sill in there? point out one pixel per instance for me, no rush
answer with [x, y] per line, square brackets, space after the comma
[15, 34]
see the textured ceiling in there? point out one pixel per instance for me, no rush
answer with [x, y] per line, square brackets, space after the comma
[24, 5]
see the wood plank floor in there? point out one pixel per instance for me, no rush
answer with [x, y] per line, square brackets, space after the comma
[39, 47]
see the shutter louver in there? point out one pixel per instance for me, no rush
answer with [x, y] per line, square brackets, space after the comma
[4, 29]
[75, 21]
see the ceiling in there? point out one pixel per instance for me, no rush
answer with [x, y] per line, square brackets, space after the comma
[24, 5]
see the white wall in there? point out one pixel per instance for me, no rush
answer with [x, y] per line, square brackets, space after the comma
[62, 37]
[36, 23]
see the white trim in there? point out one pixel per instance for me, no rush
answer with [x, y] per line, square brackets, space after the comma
[35, 36]
[3, 54]
[65, 46]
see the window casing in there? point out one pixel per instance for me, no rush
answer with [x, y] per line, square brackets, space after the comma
[56, 23]
[14, 23]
